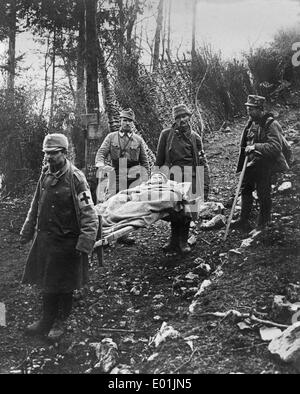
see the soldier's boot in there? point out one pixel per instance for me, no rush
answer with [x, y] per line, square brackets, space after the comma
[173, 242]
[184, 247]
[264, 217]
[44, 325]
[243, 223]
[65, 308]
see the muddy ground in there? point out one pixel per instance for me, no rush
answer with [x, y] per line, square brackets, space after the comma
[139, 288]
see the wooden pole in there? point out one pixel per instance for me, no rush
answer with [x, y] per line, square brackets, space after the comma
[236, 196]
[99, 249]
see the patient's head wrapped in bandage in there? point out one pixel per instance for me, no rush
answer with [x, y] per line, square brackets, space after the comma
[157, 178]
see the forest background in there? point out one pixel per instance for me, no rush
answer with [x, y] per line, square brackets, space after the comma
[62, 59]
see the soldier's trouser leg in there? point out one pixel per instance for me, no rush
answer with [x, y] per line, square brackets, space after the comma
[264, 190]
[181, 225]
[184, 236]
[65, 304]
[248, 186]
[173, 243]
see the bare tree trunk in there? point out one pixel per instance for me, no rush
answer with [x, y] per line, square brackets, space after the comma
[46, 69]
[122, 29]
[77, 130]
[130, 25]
[159, 25]
[92, 98]
[109, 97]
[80, 96]
[11, 52]
[194, 30]
[164, 32]
[169, 28]
[50, 125]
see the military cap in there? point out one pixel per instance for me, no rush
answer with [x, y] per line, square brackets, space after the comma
[127, 113]
[181, 109]
[255, 101]
[55, 142]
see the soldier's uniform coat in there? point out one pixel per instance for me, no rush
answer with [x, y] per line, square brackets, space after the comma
[63, 224]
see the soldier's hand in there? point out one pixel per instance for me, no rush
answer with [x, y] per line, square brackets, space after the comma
[24, 240]
[249, 149]
[78, 253]
[104, 167]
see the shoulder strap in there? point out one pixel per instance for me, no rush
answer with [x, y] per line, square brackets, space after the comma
[169, 142]
[268, 123]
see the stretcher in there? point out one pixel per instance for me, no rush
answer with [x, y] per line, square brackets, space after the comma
[110, 234]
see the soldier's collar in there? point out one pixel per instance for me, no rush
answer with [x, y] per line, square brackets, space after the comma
[60, 172]
[122, 134]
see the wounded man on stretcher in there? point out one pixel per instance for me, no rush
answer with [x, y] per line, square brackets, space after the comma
[143, 205]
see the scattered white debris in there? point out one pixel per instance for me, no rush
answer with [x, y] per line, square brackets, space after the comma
[107, 354]
[165, 332]
[204, 285]
[136, 290]
[192, 276]
[255, 233]
[158, 307]
[2, 315]
[216, 222]
[189, 340]
[244, 326]
[287, 345]
[209, 209]
[246, 243]
[193, 306]
[158, 297]
[269, 333]
[284, 187]
[217, 273]
[121, 369]
[192, 240]
[153, 357]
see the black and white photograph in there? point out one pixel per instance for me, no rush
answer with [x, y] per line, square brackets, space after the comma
[149, 190]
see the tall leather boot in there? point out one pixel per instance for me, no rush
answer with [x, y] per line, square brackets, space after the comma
[65, 308]
[264, 217]
[184, 247]
[65, 304]
[50, 311]
[243, 223]
[173, 243]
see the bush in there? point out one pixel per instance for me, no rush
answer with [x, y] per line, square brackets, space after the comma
[271, 66]
[22, 132]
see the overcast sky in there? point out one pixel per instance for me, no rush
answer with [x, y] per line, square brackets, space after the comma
[233, 25]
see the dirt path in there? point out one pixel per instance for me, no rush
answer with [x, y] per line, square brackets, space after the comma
[139, 288]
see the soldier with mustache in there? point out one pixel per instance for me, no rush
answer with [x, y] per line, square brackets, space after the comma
[180, 152]
[62, 224]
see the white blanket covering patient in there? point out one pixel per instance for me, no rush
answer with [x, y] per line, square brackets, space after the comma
[143, 205]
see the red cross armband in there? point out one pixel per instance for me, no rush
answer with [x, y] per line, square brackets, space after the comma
[84, 199]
